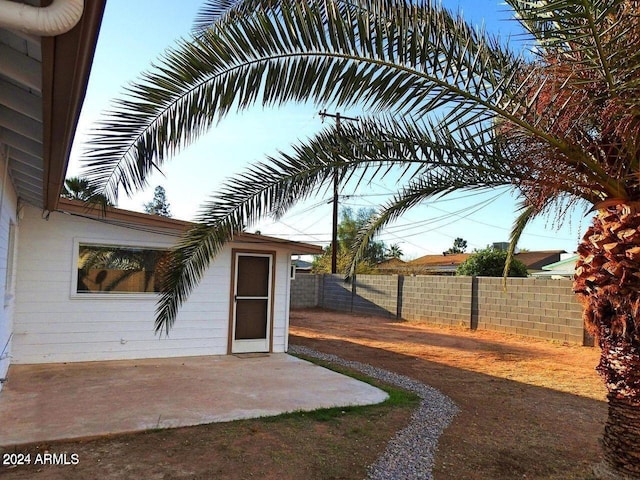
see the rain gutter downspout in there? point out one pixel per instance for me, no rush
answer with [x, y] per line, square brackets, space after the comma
[5, 156]
[56, 19]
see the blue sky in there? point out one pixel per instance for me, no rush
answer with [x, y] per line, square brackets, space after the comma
[134, 33]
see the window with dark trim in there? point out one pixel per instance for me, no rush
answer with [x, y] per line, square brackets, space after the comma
[120, 269]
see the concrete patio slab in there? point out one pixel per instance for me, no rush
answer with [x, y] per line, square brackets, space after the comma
[50, 402]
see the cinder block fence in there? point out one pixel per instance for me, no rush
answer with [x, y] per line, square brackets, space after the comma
[538, 308]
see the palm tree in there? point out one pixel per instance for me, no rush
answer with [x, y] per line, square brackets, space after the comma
[78, 188]
[394, 251]
[447, 107]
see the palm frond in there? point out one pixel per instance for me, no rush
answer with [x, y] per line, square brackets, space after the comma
[450, 160]
[186, 265]
[527, 213]
[326, 52]
[589, 32]
[265, 189]
[435, 164]
[456, 109]
[212, 11]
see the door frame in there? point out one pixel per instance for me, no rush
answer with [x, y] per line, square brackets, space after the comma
[235, 252]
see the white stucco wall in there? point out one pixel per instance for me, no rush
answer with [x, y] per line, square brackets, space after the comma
[54, 325]
[8, 207]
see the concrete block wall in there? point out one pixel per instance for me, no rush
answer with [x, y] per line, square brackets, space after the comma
[336, 293]
[539, 308]
[376, 295]
[306, 291]
[532, 307]
[436, 299]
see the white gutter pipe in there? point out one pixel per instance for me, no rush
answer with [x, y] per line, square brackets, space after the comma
[56, 19]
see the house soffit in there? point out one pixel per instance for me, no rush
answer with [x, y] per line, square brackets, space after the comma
[42, 86]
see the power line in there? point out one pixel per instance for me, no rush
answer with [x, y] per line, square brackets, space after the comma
[465, 217]
[437, 230]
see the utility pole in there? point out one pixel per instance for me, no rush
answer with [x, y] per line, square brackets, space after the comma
[334, 233]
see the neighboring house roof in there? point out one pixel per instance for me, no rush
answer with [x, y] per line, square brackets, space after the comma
[128, 218]
[449, 263]
[434, 264]
[43, 82]
[303, 266]
[537, 260]
[565, 268]
[391, 263]
[453, 259]
[563, 265]
[392, 266]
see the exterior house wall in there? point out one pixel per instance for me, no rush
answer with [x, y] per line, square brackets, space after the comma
[52, 324]
[8, 217]
[281, 304]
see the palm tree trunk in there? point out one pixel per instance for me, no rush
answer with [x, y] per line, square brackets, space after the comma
[607, 282]
[620, 367]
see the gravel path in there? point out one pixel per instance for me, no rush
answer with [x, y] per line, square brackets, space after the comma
[410, 454]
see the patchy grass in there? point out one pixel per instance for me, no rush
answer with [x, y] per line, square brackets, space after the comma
[397, 396]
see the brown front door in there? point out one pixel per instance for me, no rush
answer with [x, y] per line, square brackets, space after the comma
[252, 296]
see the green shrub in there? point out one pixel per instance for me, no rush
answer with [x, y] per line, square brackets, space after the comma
[490, 263]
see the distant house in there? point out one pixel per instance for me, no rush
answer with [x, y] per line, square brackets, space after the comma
[448, 264]
[436, 264]
[390, 266]
[302, 266]
[535, 261]
[563, 269]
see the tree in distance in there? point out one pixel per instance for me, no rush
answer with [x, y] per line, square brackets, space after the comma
[393, 251]
[459, 246]
[159, 205]
[78, 188]
[348, 229]
[491, 262]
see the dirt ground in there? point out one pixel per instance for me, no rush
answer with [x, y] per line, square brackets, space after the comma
[528, 410]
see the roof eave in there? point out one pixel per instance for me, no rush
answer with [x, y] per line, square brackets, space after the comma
[156, 221]
[297, 248]
[66, 64]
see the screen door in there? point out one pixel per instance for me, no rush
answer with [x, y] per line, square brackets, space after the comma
[252, 303]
